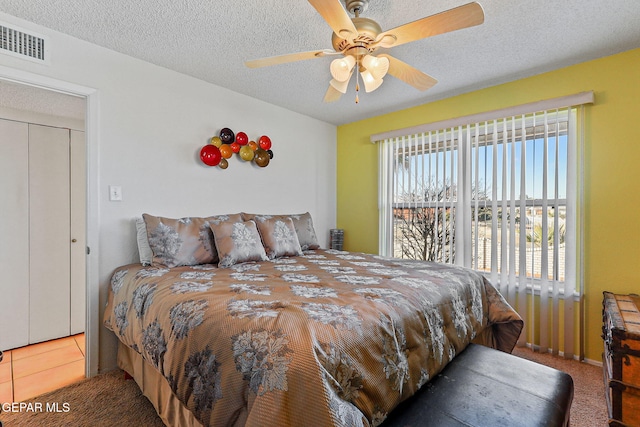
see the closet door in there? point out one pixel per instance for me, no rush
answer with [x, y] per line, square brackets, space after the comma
[49, 233]
[14, 234]
[78, 231]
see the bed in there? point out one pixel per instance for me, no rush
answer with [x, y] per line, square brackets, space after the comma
[262, 327]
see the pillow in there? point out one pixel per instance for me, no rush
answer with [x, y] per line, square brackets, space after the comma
[237, 242]
[144, 250]
[184, 241]
[303, 225]
[306, 233]
[278, 236]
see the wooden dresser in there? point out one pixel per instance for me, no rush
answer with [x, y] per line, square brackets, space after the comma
[621, 358]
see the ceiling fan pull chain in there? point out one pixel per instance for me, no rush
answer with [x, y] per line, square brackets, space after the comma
[357, 80]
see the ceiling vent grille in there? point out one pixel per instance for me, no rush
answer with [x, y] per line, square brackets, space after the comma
[26, 45]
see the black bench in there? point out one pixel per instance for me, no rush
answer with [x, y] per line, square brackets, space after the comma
[486, 387]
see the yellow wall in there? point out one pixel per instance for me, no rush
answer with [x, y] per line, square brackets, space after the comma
[612, 169]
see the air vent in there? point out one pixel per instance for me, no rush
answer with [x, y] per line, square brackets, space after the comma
[23, 44]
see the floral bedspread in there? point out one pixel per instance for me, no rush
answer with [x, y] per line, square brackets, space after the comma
[331, 338]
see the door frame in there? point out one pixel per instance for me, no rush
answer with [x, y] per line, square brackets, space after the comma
[92, 116]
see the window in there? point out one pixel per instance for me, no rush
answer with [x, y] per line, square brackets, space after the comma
[499, 195]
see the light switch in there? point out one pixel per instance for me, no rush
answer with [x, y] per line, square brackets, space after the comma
[115, 193]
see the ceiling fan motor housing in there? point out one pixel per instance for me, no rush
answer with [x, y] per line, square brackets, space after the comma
[368, 30]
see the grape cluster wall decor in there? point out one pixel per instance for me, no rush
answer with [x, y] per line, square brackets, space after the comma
[223, 146]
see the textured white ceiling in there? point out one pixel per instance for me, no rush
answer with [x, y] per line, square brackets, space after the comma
[211, 40]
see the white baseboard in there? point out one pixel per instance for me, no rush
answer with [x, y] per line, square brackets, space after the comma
[575, 357]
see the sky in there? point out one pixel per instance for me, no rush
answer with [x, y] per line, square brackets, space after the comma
[441, 167]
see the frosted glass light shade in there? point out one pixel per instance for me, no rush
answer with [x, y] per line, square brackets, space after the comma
[378, 67]
[370, 83]
[340, 86]
[341, 68]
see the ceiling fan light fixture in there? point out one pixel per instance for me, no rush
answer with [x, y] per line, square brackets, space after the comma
[377, 66]
[340, 86]
[370, 82]
[341, 68]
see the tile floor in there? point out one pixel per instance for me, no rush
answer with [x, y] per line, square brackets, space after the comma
[29, 371]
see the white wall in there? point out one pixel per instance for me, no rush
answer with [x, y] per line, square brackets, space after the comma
[152, 123]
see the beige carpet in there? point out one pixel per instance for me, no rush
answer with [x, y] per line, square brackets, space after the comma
[110, 400]
[105, 400]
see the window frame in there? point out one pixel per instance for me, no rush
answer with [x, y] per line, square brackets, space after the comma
[387, 205]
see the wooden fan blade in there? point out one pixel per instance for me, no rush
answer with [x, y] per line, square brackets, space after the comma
[408, 74]
[469, 15]
[332, 94]
[291, 57]
[336, 16]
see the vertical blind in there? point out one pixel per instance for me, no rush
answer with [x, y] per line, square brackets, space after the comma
[499, 195]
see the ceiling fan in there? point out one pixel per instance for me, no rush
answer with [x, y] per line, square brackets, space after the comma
[357, 39]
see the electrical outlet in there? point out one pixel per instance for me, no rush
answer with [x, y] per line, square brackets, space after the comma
[115, 193]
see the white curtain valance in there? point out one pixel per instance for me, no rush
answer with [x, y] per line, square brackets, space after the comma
[547, 104]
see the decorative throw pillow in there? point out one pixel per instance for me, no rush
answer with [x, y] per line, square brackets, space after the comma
[237, 242]
[144, 250]
[278, 236]
[184, 241]
[303, 225]
[306, 233]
